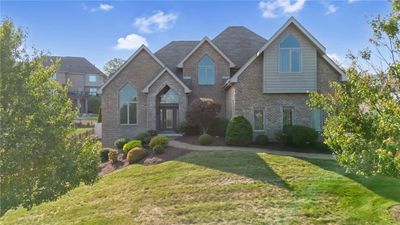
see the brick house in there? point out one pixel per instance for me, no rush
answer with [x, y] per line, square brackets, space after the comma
[86, 79]
[265, 80]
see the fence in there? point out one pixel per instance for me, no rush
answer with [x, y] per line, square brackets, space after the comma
[85, 134]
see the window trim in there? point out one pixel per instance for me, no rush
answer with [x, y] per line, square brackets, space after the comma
[290, 57]
[206, 67]
[128, 102]
[254, 119]
[293, 114]
[95, 78]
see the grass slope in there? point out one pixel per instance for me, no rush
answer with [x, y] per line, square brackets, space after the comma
[223, 188]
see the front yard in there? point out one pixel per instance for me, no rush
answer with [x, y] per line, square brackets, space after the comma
[231, 187]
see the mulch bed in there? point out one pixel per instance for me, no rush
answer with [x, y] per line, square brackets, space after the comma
[395, 212]
[151, 159]
[219, 141]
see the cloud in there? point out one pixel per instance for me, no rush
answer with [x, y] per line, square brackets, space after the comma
[341, 61]
[131, 41]
[101, 7]
[351, 1]
[330, 9]
[275, 8]
[157, 22]
[105, 7]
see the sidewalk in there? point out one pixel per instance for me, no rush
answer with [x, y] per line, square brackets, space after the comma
[178, 144]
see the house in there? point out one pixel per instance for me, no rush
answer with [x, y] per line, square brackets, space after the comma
[85, 79]
[265, 80]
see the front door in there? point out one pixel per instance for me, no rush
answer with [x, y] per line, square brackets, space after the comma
[168, 118]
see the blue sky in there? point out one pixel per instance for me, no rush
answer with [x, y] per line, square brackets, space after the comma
[103, 30]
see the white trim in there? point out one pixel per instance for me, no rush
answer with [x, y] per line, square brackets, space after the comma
[336, 67]
[187, 77]
[143, 47]
[231, 64]
[186, 89]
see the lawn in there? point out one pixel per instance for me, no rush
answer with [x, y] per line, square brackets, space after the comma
[230, 187]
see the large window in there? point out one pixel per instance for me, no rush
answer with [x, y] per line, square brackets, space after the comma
[92, 78]
[289, 55]
[287, 116]
[206, 71]
[128, 105]
[258, 119]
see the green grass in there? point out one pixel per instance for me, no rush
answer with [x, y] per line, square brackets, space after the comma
[223, 188]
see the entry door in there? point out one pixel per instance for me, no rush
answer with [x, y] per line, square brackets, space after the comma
[168, 118]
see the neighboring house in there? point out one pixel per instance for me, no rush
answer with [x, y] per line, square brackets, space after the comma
[85, 80]
[265, 80]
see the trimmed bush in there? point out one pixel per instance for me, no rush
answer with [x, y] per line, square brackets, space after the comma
[261, 139]
[239, 131]
[132, 144]
[218, 127]
[159, 149]
[158, 140]
[113, 156]
[119, 143]
[205, 139]
[104, 154]
[143, 137]
[322, 147]
[201, 112]
[188, 130]
[299, 136]
[135, 155]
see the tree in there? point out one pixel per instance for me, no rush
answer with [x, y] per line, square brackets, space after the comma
[39, 156]
[201, 112]
[363, 114]
[112, 66]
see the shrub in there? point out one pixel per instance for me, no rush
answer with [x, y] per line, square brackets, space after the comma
[132, 144]
[136, 154]
[218, 127]
[143, 137]
[299, 136]
[201, 111]
[99, 116]
[158, 140]
[322, 147]
[205, 139]
[94, 103]
[152, 133]
[104, 154]
[188, 130]
[261, 139]
[159, 149]
[119, 143]
[239, 131]
[113, 156]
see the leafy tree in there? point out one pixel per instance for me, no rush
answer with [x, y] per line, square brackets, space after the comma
[94, 103]
[363, 114]
[39, 156]
[112, 66]
[201, 112]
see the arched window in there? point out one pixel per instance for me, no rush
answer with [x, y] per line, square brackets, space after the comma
[128, 105]
[170, 97]
[206, 71]
[289, 55]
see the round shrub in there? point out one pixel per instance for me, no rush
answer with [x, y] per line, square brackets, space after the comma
[188, 130]
[239, 131]
[205, 139]
[119, 143]
[261, 139]
[158, 140]
[322, 147]
[135, 155]
[132, 144]
[159, 149]
[218, 127]
[300, 136]
[104, 154]
[143, 137]
[113, 156]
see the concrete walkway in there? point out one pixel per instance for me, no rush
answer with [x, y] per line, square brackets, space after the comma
[178, 144]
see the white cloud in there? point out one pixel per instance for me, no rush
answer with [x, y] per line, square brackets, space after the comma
[351, 1]
[330, 9]
[105, 7]
[131, 41]
[275, 8]
[339, 60]
[157, 22]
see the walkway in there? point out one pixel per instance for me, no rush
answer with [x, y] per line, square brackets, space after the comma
[178, 144]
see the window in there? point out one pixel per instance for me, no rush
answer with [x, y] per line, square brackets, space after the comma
[206, 71]
[289, 55]
[128, 105]
[170, 97]
[287, 116]
[317, 119]
[258, 119]
[92, 78]
[93, 91]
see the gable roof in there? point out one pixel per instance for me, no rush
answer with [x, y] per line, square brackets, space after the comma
[142, 48]
[166, 69]
[172, 53]
[290, 21]
[205, 39]
[239, 43]
[69, 64]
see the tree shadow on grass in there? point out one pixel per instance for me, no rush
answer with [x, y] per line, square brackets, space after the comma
[247, 164]
[386, 187]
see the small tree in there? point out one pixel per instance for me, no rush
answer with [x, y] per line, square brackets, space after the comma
[201, 112]
[239, 131]
[112, 66]
[94, 103]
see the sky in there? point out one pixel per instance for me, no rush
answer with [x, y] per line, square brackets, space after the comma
[102, 30]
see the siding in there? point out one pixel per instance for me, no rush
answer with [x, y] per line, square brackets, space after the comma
[276, 82]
